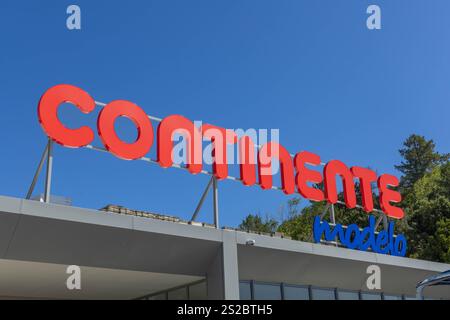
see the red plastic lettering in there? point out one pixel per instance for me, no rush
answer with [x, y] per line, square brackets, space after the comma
[305, 175]
[265, 156]
[366, 177]
[107, 133]
[333, 168]
[179, 124]
[48, 115]
[388, 195]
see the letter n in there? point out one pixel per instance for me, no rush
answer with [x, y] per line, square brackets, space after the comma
[265, 155]
[333, 168]
[181, 125]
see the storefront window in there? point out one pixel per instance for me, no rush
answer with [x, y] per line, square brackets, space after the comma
[370, 296]
[275, 291]
[245, 290]
[348, 295]
[266, 291]
[295, 293]
[322, 294]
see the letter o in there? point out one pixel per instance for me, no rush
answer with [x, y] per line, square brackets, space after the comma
[400, 245]
[352, 229]
[107, 133]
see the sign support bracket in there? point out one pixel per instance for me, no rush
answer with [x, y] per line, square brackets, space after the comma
[212, 182]
[215, 202]
[202, 199]
[47, 155]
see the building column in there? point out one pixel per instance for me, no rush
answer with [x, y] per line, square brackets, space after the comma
[223, 274]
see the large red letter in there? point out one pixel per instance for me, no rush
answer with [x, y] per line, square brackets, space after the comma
[48, 115]
[305, 175]
[388, 195]
[333, 168]
[179, 124]
[265, 155]
[366, 177]
[247, 160]
[107, 133]
[219, 137]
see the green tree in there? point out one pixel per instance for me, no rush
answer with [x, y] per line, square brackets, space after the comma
[428, 212]
[300, 222]
[257, 224]
[419, 157]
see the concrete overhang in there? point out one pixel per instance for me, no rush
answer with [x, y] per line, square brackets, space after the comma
[32, 231]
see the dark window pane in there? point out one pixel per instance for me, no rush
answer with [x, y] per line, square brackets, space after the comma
[244, 291]
[296, 293]
[198, 291]
[370, 296]
[264, 291]
[322, 294]
[348, 295]
[178, 294]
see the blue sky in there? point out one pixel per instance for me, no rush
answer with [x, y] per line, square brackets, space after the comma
[308, 68]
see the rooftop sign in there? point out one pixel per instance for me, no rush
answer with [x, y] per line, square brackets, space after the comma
[297, 173]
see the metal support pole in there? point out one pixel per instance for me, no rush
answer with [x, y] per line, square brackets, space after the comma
[385, 222]
[332, 216]
[202, 199]
[380, 218]
[324, 212]
[48, 178]
[215, 202]
[333, 220]
[37, 173]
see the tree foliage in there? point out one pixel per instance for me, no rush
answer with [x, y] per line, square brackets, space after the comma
[428, 210]
[425, 187]
[256, 223]
[419, 157]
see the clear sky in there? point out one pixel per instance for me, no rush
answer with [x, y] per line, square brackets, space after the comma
[309, 68]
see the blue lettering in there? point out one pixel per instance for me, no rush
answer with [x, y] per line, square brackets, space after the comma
[384, 242]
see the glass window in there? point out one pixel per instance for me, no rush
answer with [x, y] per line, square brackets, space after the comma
[370, 296]
[391, 297]
[245, 290]
[348, 295]
[161, 296]
[178, 294]
[296, 293]
[266, 291]
[410, 298]
[198, 291]
[322, 294]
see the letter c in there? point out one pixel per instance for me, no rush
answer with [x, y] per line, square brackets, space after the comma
[48, 115]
